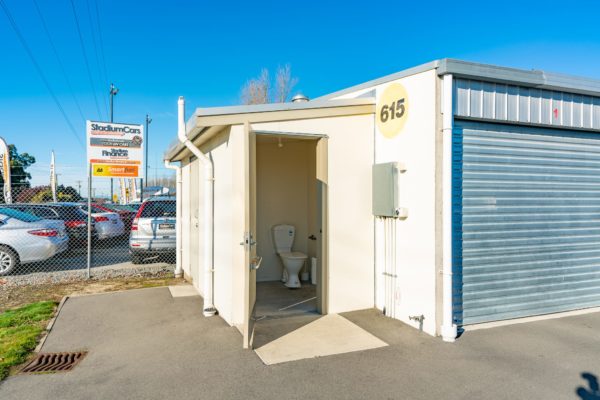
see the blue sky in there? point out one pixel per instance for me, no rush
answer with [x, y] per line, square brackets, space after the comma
[156, 51]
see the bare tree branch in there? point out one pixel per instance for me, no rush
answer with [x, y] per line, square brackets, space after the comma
[256, 90]
[284, 83]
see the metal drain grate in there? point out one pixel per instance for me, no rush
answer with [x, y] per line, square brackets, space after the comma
[54, 362]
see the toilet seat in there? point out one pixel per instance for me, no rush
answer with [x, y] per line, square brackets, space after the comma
[294, 255]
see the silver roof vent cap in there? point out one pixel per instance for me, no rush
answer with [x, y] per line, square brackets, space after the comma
[299, 98]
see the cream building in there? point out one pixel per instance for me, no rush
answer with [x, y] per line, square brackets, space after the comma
[446, 195]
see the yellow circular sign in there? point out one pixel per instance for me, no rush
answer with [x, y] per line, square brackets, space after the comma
[392, 110]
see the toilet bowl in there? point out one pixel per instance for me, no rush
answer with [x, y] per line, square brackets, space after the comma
[293, 261]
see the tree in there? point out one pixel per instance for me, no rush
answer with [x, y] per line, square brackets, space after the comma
[258, 90]
[19, 177]
[284, 83]
[43, 194]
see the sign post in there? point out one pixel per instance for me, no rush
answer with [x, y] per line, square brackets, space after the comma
[89, 221]
[53, 177]
[5, 171]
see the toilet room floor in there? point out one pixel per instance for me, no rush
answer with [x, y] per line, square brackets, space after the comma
[275, 300]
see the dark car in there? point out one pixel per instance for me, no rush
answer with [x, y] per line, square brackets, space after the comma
[75, 220]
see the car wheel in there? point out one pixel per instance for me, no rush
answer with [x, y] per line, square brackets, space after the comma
[8, 260]
[137, 259]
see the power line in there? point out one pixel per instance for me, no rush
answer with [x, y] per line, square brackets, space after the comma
[97, 57]
[60, 63]
[39, 71]
[87, 64]
[101, 41]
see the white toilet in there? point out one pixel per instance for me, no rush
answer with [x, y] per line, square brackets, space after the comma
[293, 261]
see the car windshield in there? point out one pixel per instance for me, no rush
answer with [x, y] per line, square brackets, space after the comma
[95, 210]
[155, 209]
[70, 213]
[134, 206]
[21, 216]
[122, 207]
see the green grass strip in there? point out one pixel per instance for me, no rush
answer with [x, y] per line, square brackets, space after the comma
[19, 333]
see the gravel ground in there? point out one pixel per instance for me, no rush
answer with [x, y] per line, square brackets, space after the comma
[97, 273]
[18, 296]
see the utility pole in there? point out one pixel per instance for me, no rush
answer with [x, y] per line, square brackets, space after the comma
[79, 187]
[113, 92]
[145, 180]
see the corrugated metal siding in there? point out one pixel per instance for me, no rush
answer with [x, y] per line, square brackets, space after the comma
[499, 102]
[526, 221]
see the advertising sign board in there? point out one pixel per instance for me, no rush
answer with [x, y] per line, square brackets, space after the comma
[115, 150]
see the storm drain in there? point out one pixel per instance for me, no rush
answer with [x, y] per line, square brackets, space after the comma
[54, 362]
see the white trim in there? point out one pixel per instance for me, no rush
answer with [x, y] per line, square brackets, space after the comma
[449, 329]
[496, 324]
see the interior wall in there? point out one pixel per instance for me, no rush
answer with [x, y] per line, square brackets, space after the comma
[351, 245]
[285, 195]
[312, 201]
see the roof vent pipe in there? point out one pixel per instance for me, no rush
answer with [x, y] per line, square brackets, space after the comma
[206, 184]
[299, 98]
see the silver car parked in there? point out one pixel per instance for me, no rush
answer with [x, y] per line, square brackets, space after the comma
[153, 229]
[25, 238]
[108, 225]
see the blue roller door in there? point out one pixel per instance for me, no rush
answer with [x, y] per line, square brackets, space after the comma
[526, 204]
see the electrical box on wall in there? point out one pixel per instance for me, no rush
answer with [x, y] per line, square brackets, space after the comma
[386, 190]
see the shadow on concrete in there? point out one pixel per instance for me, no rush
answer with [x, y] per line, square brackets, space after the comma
[592, 391]
[280, 310]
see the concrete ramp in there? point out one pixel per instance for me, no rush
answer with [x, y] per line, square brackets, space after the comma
[183, 291]
[328, 335]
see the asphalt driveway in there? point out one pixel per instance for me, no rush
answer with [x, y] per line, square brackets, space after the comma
[145, 344]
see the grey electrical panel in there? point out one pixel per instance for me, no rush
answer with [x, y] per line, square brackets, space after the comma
[386, 190]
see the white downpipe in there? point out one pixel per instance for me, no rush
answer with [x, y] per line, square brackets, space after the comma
[178, 226]
[207, 185]
[449, 330]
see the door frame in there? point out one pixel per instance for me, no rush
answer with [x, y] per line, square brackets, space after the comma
[249, 234]
[250, 220]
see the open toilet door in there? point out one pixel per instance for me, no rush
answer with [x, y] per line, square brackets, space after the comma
[251, 261]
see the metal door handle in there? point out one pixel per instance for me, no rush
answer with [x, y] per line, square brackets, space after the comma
[255, 263]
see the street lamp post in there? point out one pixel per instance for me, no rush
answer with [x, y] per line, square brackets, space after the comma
[113, 92]
[145, 180]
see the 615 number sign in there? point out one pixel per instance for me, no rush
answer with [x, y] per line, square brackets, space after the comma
[395, 110]
[392, 110]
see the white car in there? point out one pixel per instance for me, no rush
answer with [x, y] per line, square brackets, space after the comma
[108, 225]
[25, 238]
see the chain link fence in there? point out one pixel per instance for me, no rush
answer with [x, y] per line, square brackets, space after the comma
[45, 242]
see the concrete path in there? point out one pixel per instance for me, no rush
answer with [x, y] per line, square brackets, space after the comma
[329, 335]
[146, 344]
